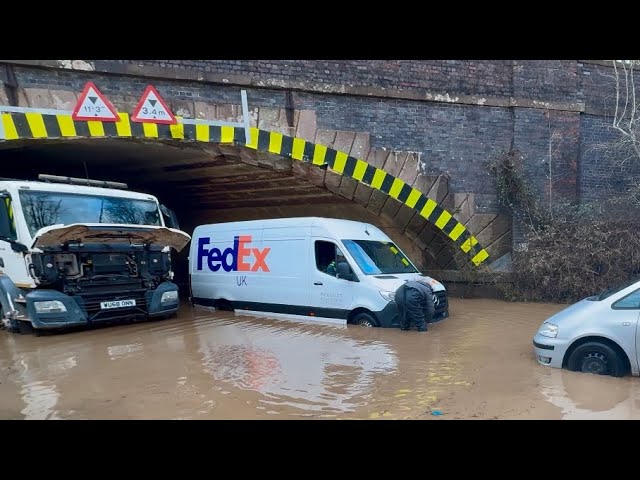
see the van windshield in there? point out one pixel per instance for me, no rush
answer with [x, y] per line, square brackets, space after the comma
[43, 209]
[374, 257]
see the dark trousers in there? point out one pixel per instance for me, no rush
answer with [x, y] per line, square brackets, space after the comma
[409, 303]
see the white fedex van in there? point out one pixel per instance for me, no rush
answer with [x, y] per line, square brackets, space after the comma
[333, 270]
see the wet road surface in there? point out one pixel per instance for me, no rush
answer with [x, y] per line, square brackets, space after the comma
[477, 364]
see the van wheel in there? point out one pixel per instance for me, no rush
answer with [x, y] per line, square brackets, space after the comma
[224, 306]
[597, 358]
[364, 320]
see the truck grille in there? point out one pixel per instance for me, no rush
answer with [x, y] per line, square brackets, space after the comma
[94, 312]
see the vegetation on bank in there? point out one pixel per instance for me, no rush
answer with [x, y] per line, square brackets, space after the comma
[571, 250]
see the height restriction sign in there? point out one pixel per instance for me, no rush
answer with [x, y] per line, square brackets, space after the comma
[93, 105]
[152, 108]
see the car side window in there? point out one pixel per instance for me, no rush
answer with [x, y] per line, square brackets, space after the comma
[630, 302]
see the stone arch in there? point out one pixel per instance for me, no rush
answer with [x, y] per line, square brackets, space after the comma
[36, 125]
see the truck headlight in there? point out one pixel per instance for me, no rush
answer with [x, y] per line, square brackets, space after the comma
[50, 306]
[169, 297]
[388, 296]
[548, 330]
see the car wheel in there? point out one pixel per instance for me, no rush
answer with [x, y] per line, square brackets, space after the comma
[364, 320]
[597, 358]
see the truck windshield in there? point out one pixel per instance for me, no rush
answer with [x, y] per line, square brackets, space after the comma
[42, 209]
[374, 257]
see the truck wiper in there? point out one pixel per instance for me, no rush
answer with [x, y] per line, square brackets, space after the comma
[16, 246]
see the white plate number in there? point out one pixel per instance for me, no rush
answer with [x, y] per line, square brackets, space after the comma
[117, 304]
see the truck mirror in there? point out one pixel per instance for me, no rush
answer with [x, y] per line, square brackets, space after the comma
[170, 218]
[19, 247]
[165, 211]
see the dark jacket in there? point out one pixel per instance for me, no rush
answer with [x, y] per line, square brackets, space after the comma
[427, 297]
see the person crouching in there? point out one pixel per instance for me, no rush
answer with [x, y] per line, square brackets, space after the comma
[415, 304]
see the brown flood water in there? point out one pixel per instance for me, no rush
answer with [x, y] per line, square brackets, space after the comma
[477, 364]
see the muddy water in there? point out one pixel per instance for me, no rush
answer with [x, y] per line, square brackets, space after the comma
[214, 365]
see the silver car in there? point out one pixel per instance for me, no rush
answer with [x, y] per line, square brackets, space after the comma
[599, 334]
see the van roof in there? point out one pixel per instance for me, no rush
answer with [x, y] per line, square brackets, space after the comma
[293, 222]
[346, 227]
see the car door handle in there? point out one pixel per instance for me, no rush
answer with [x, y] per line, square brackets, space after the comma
[317, 283]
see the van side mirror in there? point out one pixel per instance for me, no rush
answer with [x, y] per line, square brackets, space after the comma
[344, 272]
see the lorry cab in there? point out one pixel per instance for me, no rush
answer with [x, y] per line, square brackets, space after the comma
[78, 251]
[332, 270]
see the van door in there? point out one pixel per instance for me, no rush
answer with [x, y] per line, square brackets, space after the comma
[331, 296]
[285, 253]
[622, 324]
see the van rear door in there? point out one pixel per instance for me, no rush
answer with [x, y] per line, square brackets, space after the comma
[331, 297]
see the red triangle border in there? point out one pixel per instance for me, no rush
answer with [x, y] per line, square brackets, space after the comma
[76, 116]
[143, 98]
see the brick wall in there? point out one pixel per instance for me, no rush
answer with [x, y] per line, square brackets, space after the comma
[550, 80]
[549, 142]
[451, 137]
[601, 174]
[481, 77]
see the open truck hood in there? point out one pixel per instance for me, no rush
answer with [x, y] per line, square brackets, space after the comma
[55, 235]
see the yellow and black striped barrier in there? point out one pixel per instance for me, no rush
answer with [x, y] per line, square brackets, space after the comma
[49, 126]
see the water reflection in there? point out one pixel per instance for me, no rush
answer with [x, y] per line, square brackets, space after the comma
[40, 399]
[583, 396]
[119, 351]
[309, 368]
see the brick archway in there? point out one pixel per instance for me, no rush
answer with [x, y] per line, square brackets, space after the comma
[35, 125]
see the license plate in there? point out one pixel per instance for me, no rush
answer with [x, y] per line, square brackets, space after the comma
[117, 304]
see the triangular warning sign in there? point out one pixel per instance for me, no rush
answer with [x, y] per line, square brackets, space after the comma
[93, 105]
[152, 109]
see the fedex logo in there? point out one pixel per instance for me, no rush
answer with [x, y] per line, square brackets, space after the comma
[233, 259]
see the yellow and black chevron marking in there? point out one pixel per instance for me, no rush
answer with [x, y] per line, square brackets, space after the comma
[38, 125]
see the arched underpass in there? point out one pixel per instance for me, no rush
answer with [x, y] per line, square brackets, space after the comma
[219, 178]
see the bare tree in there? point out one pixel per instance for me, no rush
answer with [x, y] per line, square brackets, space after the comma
[41, 211]
[626, 117]
[625, 113]
[127, 211]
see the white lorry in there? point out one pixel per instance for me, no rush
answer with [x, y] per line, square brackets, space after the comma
[73, 254]
[333, 270]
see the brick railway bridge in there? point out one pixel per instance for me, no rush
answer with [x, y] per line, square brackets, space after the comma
[400, 144]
